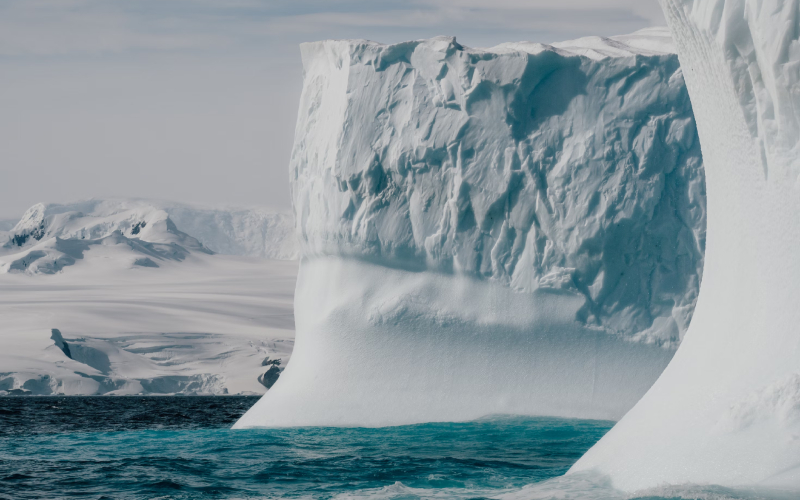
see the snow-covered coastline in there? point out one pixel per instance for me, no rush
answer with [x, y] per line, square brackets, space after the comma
[202, 326]
[113, 297]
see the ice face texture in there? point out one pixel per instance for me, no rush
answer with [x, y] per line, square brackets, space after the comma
[511, 230]
[727, 409]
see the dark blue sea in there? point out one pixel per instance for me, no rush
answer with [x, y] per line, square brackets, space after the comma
[183, 448]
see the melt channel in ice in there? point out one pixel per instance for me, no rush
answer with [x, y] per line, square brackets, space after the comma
[727, 409]
[515, 230]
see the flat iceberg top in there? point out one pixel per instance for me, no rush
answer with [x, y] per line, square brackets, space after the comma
[647, 42]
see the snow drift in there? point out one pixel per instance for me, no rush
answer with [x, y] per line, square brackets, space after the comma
[511, 230]
[727, 409]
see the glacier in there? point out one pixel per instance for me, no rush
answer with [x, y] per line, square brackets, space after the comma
[201, 326]
[726, 410]
[517, 229]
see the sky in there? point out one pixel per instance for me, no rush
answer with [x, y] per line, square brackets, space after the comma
[195, 100]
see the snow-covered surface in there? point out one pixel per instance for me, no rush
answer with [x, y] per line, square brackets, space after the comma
[235, 230]
[110, 297]
[725, 411]
[649, 41]
[49, 238]
[230, 230]
[201, 326]
[518, 230]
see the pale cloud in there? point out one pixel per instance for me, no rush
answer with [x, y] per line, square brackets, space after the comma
[61, 27]
[195, 100]
[49, 27]
[507, 20]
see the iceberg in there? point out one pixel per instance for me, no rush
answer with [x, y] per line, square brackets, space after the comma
[512, 230]
[726, 410]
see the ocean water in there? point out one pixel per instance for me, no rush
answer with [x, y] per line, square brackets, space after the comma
[183, 448]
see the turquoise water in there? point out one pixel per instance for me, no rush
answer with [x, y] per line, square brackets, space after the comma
[179, 448]
[183, 448]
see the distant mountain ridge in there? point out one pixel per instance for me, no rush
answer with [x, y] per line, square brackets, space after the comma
[50, 237]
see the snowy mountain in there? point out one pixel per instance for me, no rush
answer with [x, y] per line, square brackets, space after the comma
[531, 213]
[727, 409]
[50, 237]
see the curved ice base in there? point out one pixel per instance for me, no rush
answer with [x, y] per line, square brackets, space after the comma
[377, 346]
[727, 409]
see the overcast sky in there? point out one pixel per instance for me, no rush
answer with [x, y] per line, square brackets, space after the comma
[195, 100]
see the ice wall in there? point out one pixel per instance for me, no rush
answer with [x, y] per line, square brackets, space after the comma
[727, 409]
[511, 230]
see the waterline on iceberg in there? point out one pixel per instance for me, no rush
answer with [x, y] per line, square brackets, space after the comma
[428, 347]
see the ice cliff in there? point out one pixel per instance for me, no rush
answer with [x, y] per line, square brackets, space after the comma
[727, 409]
[511, 230]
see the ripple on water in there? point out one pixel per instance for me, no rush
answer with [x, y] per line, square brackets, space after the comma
[182, 448]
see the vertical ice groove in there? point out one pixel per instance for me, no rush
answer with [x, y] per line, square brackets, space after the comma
[512, 230]
[725, 411]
